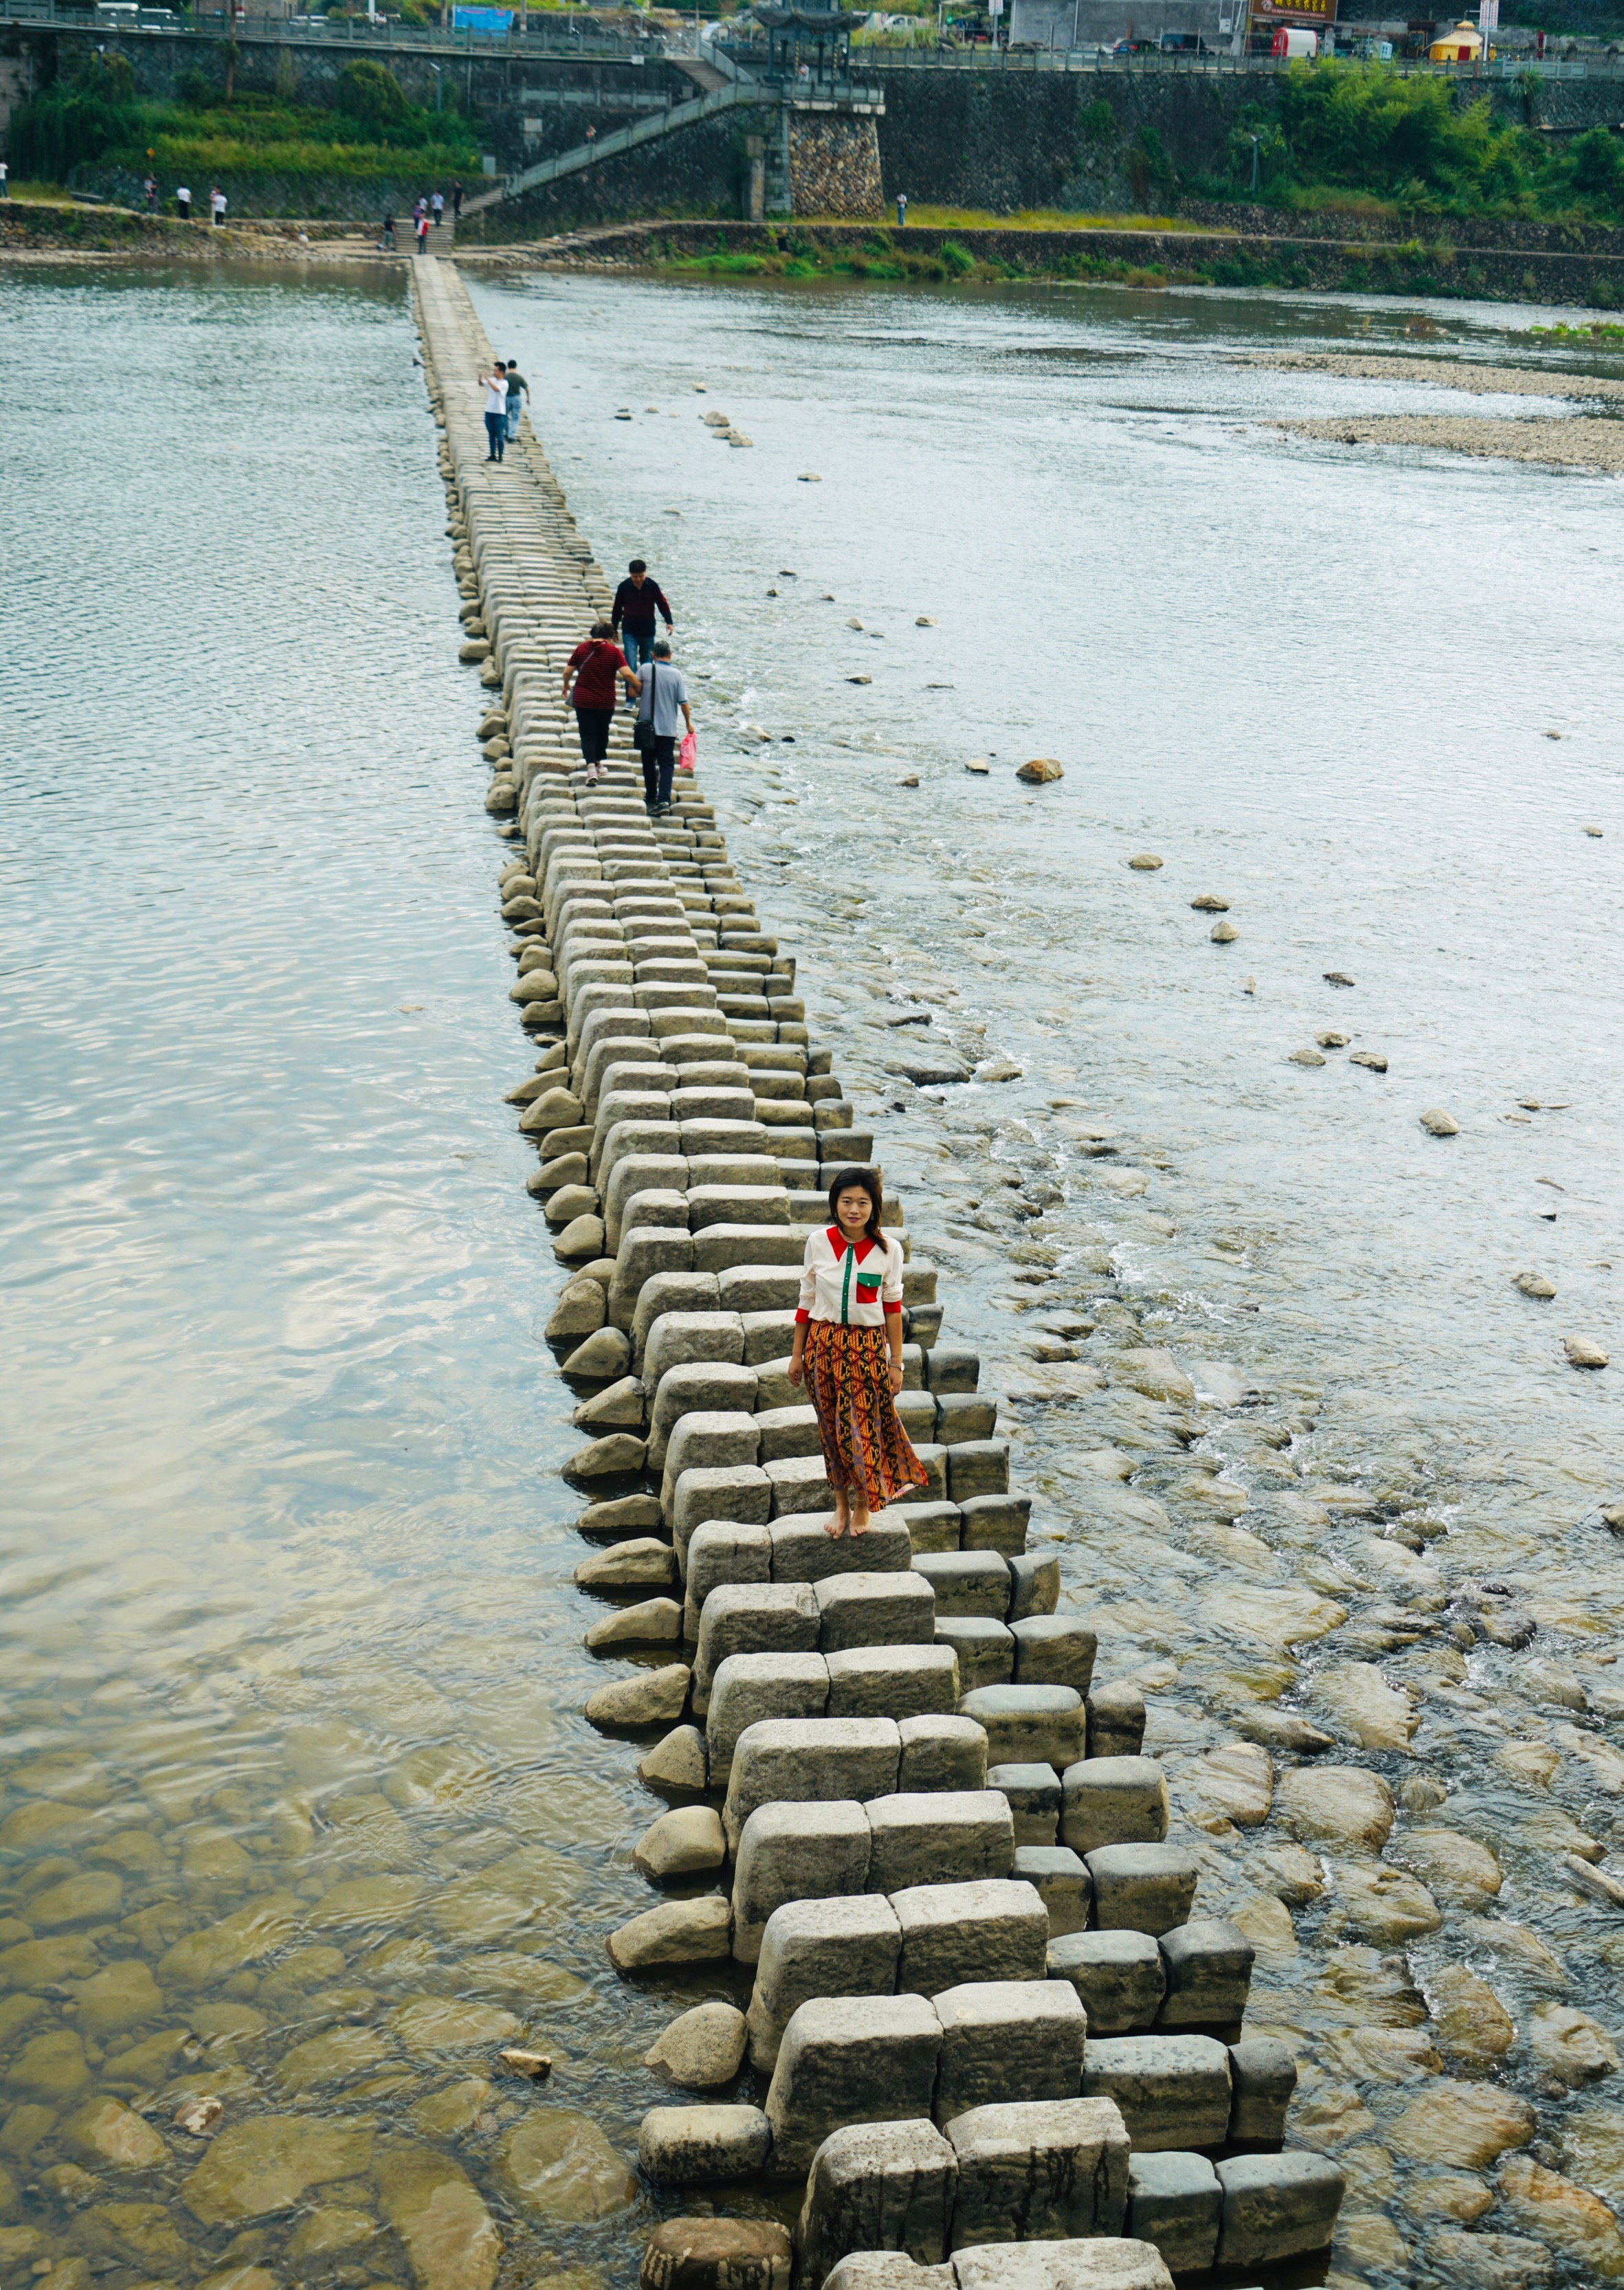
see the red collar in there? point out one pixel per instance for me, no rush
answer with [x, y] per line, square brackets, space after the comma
[838, 1242]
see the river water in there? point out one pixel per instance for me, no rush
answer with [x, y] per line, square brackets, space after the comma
[291, 1661]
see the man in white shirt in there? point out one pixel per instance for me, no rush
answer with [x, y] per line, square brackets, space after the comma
[495, 387]
[217, 202]
[664, 696]
[183, 204]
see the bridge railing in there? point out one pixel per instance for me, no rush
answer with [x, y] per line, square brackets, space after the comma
[544, 39]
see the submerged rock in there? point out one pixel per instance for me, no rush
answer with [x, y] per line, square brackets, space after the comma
[267, 2164]
[1583, 1351]
[449, 2235]
[559, 2165]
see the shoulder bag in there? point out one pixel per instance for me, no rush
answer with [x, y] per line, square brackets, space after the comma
[643, 731]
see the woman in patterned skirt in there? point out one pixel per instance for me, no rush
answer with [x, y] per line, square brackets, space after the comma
[848, 1348]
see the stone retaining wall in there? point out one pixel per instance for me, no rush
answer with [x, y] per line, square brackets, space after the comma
[920, 1816]
[834, 165]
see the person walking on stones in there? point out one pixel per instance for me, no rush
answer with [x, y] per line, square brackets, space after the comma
[422, 244]
[636, 601]
[664, 695]
[495, 387]
[593, 667]
[519, 390]
[848, 1352]
[438, 203]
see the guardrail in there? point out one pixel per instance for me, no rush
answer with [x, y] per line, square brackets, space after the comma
[1091, 60]
[540, 42]
[623, 139]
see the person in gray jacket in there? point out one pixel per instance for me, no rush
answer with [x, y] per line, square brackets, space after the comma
[664, 698]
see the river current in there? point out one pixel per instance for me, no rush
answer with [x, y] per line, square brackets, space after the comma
[300, 1810]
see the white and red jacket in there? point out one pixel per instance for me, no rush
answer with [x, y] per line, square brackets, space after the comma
[855, 1286]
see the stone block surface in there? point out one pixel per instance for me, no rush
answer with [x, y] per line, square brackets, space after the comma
[1115, 1720]
[1034, 1792]
[866, 1610]
[1173, 2091]
[692, 2146]
[985, 1649]
[962, 1416]
[847, 1946]
[870, 2059]
[703, 1333]
[977, 1467]
[967, 1582]
[1118, 1976]
[800, 1483]
[1174, 2201]
[939, 1751]
[953, 1935]
[931, 1525]
[1262, 2079]
[787, 1431]
[1208, 1962]
[1035, 1585]
[748, 1687]
[1113, 1801]
[803, 1551]
[688, 1387]
[794, 1853]
[1007, 2040]
[1063, 1885]
[743, 1493]
[878, 2187]
[1144, 1888]
[893, 1681]
[721, 1550]
[939, 1838]
[1028, 1724]
[1054, 1649]
[1277, 2207]
[708, 1440]
[807, 1760]
[996, 1522]
[1039, 2170]
[888, 2269]
[1095, 2264]
[751, 1618]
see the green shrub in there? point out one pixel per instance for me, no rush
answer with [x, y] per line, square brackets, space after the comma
[957, 260]
[194, 91]
[372, 97]
[69, 124]
[1099, 121]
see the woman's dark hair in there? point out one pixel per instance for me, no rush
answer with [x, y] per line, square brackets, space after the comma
[603, 631]
[870, 1181]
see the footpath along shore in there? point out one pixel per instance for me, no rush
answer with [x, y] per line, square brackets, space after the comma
[989, 2030]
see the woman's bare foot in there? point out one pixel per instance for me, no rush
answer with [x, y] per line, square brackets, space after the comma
[842, 1521]
[860, 1522]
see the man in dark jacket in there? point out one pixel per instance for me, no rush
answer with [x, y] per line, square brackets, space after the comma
[636, 602]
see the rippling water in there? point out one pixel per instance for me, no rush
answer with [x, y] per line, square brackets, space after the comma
[290, 1658]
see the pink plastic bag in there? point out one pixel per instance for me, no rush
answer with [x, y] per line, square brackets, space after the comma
[686, 753]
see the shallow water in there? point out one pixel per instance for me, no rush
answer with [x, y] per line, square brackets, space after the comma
[287, 1554]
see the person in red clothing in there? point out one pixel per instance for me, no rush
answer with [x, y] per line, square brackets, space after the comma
[592, 668]
[848, 1350]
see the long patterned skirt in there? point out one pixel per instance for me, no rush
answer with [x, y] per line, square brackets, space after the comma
[864, 1448]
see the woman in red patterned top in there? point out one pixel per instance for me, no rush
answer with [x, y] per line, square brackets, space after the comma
[848, 1350]
[593, 667]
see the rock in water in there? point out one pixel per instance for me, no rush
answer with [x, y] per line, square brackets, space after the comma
[606, 1353]
[716, 2253]
[925, 1067]
[1305, 1058]
[653, 1697]
[616, 1452]
[1535, 1283]
[1145, 862]
[559, 2164]
[1039, 770]
[1209, 904]
[978, 765]
[582, 1236]
[656, 1621]
[1583, 1353]
[679, 1932]
[675, 1763]
[1336, 978]
[1437, 1122]
[1224, 933]
[646, 1564]
[1332, 1041]
[1373, 1059]
[687, 1843]
[703, 2049]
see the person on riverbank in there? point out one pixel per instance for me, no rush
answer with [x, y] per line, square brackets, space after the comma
[902, 210]
[183, 204]
[848, 1352]
[438, 203]
[422, 246]
[495, 387]
[518, 391]
[664, 697]
[636, 602]
[216, 207]
[387, 242]
[593, 668]
[456, 203]
[149, 192]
